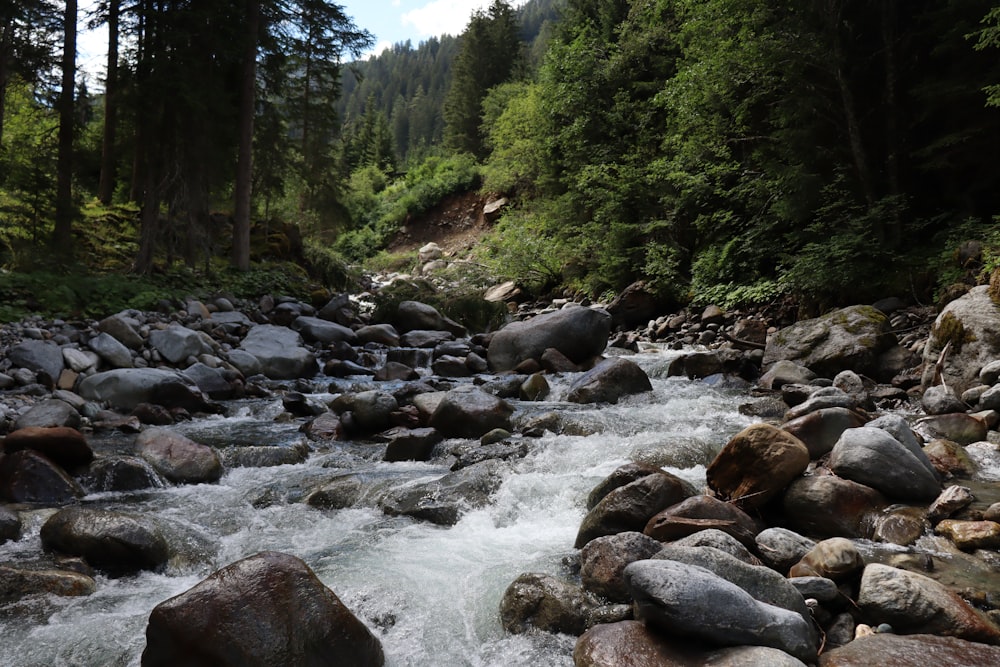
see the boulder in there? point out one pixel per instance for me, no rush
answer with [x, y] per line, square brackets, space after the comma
[698, 513]
[915, 604]
[443, 500]
[425, 338]
[406, 444]
[819, 430]
[80, 360]
[280, 352]
[961, 428]
[338, 309]
[970, 535]
[716, 539]
[210, 381]
[324, 332]
[829, 506]
[469, 412]
[603, 559]
[783, 372]
[579, 333]
[971, 323]
[176, 343]
[113, 542]
[39, 356]
[847, 339]
[543, 602]
[873, 457]
[50, 413]
[413, 315]
[781, 548]
[177, 457]
[910, 651]
[941, 400]
[17, 583]
[636, 305]
[820, 399]
[623, 475]
[630, 506]
[263, 456]
[268, 609]
[29, 477]
[369, 411]
[125, 388]
[124, 328]
[383, 334]
[123, 474]
[111, 350]
[691, 601]
[10, 525]
[64, 446]
[756, 465]
[608, 381]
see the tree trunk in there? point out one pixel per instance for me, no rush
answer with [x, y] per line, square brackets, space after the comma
[244, 163]
[894, 231]
[106, 188]
[62, 241]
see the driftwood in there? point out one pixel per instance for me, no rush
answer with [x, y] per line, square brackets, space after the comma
[939, 366]
[743, 344]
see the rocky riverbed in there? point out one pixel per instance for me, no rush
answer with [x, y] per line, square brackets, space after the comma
[849, 502]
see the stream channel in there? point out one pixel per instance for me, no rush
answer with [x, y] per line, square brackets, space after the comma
[430, 593]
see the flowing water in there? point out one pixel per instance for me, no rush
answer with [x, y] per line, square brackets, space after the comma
[430, 593]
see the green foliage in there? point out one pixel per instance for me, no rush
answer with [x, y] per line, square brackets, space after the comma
[423, 187]
[465, 306]
[328, 267]
[523, 246]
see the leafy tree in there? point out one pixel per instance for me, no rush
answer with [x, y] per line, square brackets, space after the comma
[29, 32]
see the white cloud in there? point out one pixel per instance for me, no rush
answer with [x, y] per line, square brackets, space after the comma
[442, 17]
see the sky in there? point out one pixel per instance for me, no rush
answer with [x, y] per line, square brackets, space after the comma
[389, 21]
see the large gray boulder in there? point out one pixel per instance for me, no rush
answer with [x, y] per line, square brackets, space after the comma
[115, 542]
[847, 339]
[111, 350]
[688, 600]
[268, 609]
[603, 559]
[629, 507]
[872, 457]
[38, 355]
[125, 388]
[417, 316]
[578, 333]
[443, 500]
[971, 324]
[914, 603]
[124, 328]
[51, 412]
[608, 381]
[176, 343]
[469, 412]
[280, 352]
[318, 330]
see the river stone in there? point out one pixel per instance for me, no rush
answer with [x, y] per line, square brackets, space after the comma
[847, 339]
[383, 334]
[621, 476]
[39, 356]
[873, 457]
[608, 381]
[123, 328]
[79, 360]
[370, 410]
[244, 362]
[688, 600]
[443, 500]
[17, 583]
[47, 414]
[821, 399]
[543, 602]
[762, 583]
[712, 537]
[395, 371]
[111, 350]
[535, 388]
[972, 324]
[819, 430]
[177, 457]
[756, 465]
[451, 367]
[29, 477]
[265, 610]
[338, 493]
[63, 445]
[821, 589]
[122, 474]
[952, 500]
[631, 506]
[830, 506]
[603, 559]
[970, 535]
[338, 309]
[835, 558]
[318, 330]
[579, 333]
[10, 525]
[324, 428]
[783, 372]
[950, 458]
[781, 548]
[941, 400]
[406, 444]
[414, 315]
[176, 343]
[910, 651]
[210, 381]
[114, 542]
[280, 352]
[469, 412]
[915, 604]
[263, 456]
[698, 513]
[961, 428]
[125, 388]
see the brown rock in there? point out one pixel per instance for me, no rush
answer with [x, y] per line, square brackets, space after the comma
[756, 465]
[970, 535]
[910, 651]
[603, 559]
[29, 477]
[820, 430]
[63, 445]
[835, 558]
[699, 513]
[829, 506]
[631, 506]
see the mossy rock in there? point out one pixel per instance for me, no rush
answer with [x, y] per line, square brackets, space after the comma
[469, 308]
[994, 290]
